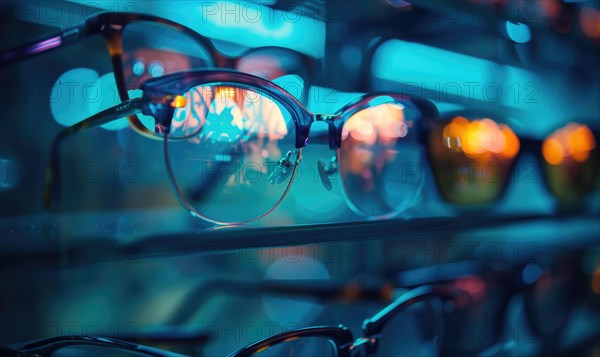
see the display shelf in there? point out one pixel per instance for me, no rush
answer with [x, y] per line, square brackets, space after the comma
[73, 249]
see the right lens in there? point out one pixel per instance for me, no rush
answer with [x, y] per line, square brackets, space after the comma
[379, 159]
[474, 318]
[472, 158]
[300, 347]
[152, 49]
[238, 156]
[552, 295]
[571, 162]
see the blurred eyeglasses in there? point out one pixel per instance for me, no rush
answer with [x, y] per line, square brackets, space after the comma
[144, 46]
[313, 341]
[477, 321]
[385, 328]
[233, 143]
[473, 321]
[473, 157]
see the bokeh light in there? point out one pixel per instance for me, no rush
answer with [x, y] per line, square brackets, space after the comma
[574, 141]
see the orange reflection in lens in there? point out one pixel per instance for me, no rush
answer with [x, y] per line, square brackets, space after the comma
[473, 158]
[368, 140]
[381, 124]
[574, 141]
[179, 102]
[479, 137]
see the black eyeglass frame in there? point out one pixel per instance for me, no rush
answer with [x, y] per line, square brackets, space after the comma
[341, 337]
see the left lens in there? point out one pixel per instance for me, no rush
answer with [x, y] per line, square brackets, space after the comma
[152, 49]
[238, 157]
[273, 63]
[379, 159]
[472, 158]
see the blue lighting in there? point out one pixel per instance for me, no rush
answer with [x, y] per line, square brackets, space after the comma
[518, 32]
[156, 69]
[240, 22]
[139, 68]
[531, 273]
[80, 93]
[8, 174]
[71, 96]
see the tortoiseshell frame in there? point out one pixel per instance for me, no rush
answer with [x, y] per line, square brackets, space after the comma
[341, 337]
[111, 25]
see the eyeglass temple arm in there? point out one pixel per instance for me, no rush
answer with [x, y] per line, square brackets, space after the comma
[52, 178]
[52, 345]
[375, 324]
[46, 44]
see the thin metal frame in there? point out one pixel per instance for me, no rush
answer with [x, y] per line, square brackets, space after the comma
[158, 93]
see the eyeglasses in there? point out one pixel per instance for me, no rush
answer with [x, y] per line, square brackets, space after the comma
[549, 291]
[381, 333]
[312, 341]
[473, 157]
[551, 287]
[461, 310]
[144, 46]
[233, 143]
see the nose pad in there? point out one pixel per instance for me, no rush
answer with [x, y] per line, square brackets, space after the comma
[326, 169]
[284, 169]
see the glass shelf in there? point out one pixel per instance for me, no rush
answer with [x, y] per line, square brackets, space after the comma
[71, 240]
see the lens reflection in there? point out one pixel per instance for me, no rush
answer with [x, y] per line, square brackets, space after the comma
[380, 159]
[239, 154]
[300, 347]
[273, 63]
[152, 50]
[570, 157]
[472, 159]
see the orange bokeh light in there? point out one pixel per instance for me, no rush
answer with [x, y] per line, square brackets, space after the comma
[179, 102]
[479, 137]
[574, 141]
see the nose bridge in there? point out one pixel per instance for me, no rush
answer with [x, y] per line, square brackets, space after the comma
[334, 134]
[324, 117]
